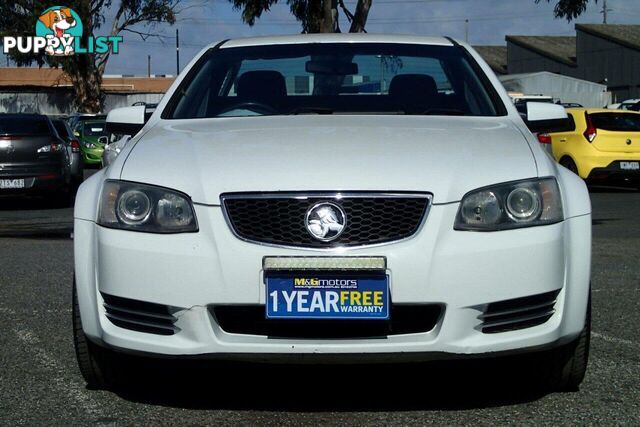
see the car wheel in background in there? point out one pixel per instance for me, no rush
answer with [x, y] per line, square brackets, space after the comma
[98, 365]
[568, 163]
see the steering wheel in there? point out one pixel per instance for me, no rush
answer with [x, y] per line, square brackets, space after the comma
[255, 106]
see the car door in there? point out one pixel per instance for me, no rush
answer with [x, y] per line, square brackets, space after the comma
[562, 142]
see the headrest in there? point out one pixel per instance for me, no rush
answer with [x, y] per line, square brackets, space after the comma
[413, 86]
[263, 86]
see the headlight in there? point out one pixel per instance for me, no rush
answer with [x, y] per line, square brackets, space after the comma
[511, 205]
[140, 207]
[90, 145]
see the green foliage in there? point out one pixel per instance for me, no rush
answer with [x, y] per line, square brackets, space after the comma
[310, 13]
[569, 9]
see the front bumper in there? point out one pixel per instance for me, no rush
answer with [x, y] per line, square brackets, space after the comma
[92, 156]
[461, 271]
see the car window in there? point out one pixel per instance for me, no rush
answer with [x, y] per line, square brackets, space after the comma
[94, 129]
[334, 78]
[616, 122]
[29, 125]
[61, 128]
[572, 123]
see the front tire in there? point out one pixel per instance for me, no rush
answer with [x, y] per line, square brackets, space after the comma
[566, 366]
[97, 364]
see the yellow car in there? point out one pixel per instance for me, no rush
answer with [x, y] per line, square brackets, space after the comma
[603, 144]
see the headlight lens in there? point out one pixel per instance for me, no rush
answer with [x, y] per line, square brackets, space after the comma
[511, 205]
[141, 207]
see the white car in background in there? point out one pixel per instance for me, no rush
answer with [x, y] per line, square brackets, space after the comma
[113, 148]
[272, 209]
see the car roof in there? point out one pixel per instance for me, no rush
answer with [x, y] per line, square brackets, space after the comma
[335, 38]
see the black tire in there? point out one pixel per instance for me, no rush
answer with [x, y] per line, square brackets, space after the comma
[566, 366]
[97, 364]
[568, 163]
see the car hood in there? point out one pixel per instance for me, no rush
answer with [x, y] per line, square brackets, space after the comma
[446, 156]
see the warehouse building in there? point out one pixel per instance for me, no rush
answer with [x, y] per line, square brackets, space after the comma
[600, 53]
[49, 90]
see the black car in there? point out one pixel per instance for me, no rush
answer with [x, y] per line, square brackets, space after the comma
[33, 157]
[634, 107]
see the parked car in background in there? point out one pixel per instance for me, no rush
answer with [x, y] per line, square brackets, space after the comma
[90, 132]
[33, 157]
[73, 119]
[115, 142]
[634, 107]
[247, 220]
[628, 104]
[600, 144]
[76, 165]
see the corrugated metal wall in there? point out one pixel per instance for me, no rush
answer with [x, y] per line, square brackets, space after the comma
[61, 102]
[564, 88]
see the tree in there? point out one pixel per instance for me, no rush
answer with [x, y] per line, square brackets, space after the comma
[569, 9]
[315, 16]
[18, 18]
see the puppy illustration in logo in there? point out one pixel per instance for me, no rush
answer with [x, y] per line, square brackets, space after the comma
[59, 20]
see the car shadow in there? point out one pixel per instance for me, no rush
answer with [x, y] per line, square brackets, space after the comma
[328, 388]
[35, 217]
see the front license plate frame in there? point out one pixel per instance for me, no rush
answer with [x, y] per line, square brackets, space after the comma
[305, 295]
[9, 184]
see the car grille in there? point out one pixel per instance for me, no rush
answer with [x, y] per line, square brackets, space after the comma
[279, 219]
[250, 320]
[139, 315]
[519, 313]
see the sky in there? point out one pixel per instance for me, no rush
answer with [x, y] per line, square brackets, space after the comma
[202, 22]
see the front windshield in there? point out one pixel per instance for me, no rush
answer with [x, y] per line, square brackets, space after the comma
[334, 78]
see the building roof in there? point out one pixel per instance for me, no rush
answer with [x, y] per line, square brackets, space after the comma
[560, 49]
[625, 35]
[495, 56]
[55, 78]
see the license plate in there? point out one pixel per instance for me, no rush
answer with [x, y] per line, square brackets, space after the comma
[630, 166]
[11, 183]
[322, 296]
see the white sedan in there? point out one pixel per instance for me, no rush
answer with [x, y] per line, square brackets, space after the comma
[331, 198]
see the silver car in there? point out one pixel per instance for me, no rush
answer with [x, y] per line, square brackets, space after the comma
[72, 145]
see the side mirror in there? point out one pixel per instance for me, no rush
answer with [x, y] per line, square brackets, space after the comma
[543, 117]
[103, 140]
[126, 121]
